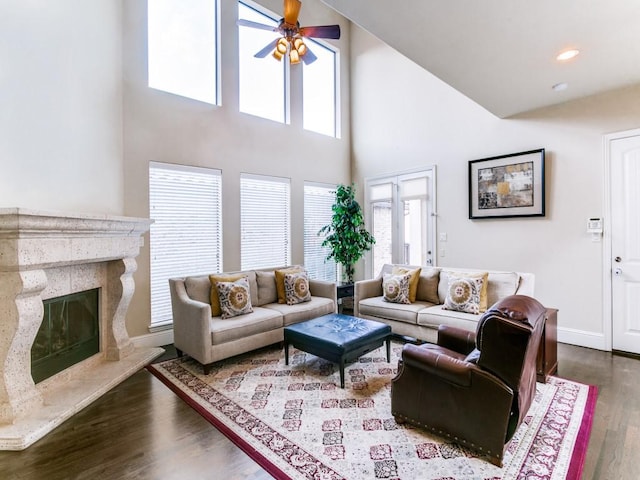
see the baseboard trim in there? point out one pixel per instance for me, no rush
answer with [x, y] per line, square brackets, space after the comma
[582, 338]
[155, 339]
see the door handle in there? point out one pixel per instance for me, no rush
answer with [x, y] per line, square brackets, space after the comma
[617, 272]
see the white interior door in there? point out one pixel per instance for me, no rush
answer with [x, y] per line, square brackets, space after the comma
[625, 243]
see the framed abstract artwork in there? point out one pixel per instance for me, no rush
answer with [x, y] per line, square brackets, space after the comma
[507, 186]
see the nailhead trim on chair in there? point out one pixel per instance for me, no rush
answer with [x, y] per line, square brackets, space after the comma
[445, 434]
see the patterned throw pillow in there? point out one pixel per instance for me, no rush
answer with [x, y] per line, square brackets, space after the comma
[296, 288]
[235, 298]
[413, 282]
[463, 294]
[280, 280]
[395, 288]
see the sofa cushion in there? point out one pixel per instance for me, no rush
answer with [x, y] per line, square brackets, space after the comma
[395, 288]
[413, 280]
[377, 307]
[463, 293]
[291, 314]
[428, 285]
[435, 315]
[234, 297]
[501, 284]
[443, 284]
[280, 280]
[296, 288]
[259, 321]
[198, 288]
[267, 291]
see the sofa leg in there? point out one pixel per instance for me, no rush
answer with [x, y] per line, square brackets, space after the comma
[206, 368]
[179, 352]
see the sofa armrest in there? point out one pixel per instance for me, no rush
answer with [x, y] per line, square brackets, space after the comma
[456, 339]
[365, 289]
[191, 329]
[322, 288]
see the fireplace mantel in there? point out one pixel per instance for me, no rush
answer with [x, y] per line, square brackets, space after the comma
[44, 255]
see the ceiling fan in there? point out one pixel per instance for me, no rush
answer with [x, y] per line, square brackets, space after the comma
[291, 42]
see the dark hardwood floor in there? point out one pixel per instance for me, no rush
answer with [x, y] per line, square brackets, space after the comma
[141, 430]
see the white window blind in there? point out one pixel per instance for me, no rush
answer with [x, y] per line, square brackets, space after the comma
[186, 236]
[265, 221]
[318, 200]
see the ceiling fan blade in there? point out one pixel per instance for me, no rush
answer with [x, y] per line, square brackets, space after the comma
[291, 11]
[248, 23]
[266, 50]
[321, 31]
[308, 58]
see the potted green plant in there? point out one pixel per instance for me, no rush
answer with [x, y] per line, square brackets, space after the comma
[346, 235]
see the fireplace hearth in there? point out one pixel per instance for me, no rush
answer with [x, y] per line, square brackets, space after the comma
[46, 256]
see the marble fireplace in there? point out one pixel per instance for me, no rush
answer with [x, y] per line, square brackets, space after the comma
[45, 255]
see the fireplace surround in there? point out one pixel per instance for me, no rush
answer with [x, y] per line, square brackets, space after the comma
[44, 255]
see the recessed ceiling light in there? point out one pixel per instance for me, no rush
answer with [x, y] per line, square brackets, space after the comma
[558, 87]
[567, 55]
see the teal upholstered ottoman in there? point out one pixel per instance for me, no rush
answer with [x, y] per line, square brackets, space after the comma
[337, 338]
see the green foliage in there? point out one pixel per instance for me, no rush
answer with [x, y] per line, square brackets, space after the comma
[345, 235]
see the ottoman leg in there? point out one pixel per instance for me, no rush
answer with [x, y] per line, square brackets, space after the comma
[388, 349]
[342, 372]
[286, 353]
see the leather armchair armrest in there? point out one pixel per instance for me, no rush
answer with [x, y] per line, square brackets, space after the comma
[438, 364]
[456, 339]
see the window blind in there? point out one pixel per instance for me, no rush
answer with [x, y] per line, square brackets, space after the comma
[186, 236]
[265, 221]
[318, 200]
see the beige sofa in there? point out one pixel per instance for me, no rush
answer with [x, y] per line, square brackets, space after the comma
[208, 339]
[421, 318]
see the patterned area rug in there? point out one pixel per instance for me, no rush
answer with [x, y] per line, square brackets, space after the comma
[297, 423]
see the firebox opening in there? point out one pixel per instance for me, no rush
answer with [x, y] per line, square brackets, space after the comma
[69, 333]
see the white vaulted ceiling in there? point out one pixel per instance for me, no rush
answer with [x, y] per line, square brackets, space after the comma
[502, 53]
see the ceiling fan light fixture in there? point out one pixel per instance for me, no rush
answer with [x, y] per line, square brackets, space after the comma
[277, 55]
[294, 56]
[282, 46]
[300, 46]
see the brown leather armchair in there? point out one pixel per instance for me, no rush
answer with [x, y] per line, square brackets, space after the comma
[474, 389]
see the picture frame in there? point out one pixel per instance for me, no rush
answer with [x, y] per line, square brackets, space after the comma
[507, 186]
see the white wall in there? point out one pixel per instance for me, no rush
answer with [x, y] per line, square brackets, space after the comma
[168, 128]
[404, 118]
[61, 105]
